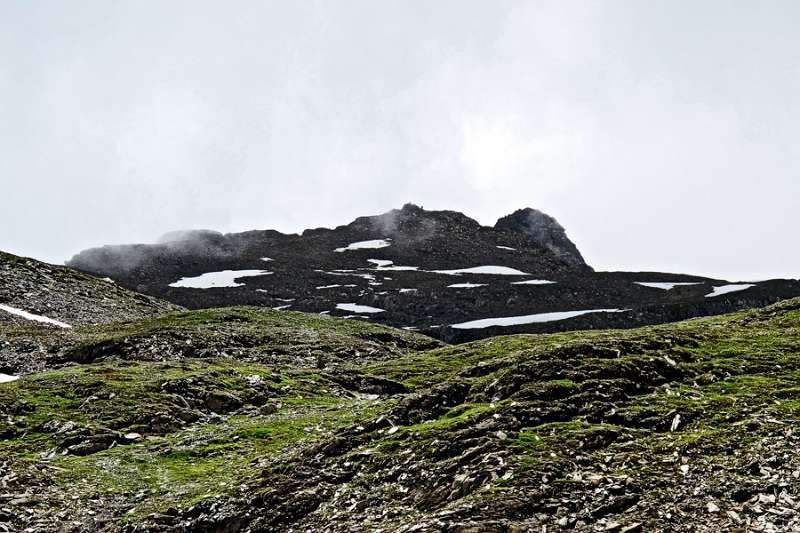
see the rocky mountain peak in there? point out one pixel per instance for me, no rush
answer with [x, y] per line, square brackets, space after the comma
[413, 221]
[545, 231]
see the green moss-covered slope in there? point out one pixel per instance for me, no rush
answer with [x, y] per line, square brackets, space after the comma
[250, 420]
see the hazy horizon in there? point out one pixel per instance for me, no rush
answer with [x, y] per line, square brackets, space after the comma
[661, 135]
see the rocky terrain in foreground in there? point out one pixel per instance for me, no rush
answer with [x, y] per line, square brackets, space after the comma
[437, 272]
[247, 419]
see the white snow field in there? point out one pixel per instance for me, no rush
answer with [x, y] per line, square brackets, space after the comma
[380, 262]
[529, 319]
[725, 289]
[365, 245]
[465, 285]
[666, 285]
[533, 282]
[355, 308]
[334, 286]
[5, 378]
[212, 280]
[267, 259]
[30, 316]
[487, 269]
[507, 248]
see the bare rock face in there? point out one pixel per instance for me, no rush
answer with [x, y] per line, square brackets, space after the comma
[545, 231]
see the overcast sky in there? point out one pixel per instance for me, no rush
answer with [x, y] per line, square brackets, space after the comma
[662, 135]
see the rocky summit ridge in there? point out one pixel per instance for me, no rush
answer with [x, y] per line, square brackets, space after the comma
[437, 272]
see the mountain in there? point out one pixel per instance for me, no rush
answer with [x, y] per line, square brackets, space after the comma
[437, 272]
[248, 419]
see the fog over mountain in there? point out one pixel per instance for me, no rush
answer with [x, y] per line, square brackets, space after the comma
[661, 134]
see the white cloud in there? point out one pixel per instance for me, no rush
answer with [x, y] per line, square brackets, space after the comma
[661, 135]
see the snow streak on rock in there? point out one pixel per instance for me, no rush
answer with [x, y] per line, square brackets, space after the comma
[529, 319]
[30, 316]
[364, 245]
[486, 269]
[726, 289]
[355, 308]
[211, 280]
[666, 285]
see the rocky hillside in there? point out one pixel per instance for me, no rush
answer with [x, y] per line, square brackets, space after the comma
[248, 419]
[437, 272]
[66, 296]
[37, 297]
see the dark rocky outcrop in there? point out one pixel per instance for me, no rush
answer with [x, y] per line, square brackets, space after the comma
[545, 231]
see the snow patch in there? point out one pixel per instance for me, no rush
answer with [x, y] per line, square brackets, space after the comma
[507, 248]
[355, 308]
[5, 378]
[465, 285]
[487, 269]
[533, 282]
[30, 316]
[529, 319]
[408, 290]
[398, 267]
[385, 264]
[211, 280]
[365, 245]
[350, 273]
[267, 259]
[725, 289]
[666, 285]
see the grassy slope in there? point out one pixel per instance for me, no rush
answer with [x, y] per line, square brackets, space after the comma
[580, 428]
